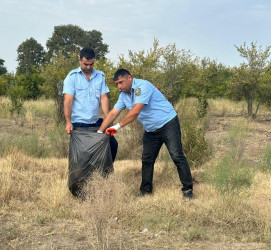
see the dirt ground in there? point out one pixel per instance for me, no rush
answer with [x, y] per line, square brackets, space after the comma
[66, 235]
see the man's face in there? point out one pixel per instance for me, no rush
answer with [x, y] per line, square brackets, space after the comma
[124, 83]
[86, 65]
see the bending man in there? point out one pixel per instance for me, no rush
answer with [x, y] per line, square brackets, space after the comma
[160, 122]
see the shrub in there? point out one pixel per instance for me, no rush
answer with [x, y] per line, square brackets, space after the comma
[193, 131]
[232, 173]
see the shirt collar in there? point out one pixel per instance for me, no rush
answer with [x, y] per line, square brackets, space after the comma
[133, 85]
[93, 73]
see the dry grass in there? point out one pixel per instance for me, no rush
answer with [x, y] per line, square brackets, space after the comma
[38, 212]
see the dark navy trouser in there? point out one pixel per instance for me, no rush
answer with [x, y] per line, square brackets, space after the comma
[170, 134]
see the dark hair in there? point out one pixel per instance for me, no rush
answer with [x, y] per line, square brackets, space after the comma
[121, 72]
[88, 53]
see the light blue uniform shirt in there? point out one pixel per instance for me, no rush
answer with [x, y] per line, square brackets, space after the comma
[87, 94]
[157, 110]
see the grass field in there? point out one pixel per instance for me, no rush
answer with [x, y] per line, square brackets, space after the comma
[232, 188]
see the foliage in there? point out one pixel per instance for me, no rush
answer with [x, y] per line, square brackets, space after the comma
[54, 73]
[16, 93]
[3, 85]
[167, 68]
[3, 69]
[109, 69]
[177, 71]
[211, 79]
[21, 88]
[231, 175]
[31, 55]
[264, 89]
[31, 84]
[144, 65]
[68, 39]
[193, 131]
[249, 76]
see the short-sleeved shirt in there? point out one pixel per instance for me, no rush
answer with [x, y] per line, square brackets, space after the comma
[157, 110]
[87, 94]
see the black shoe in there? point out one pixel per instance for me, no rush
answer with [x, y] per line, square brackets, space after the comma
[142, 194]
[188, 194]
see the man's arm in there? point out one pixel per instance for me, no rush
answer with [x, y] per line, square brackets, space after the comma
[105, 104]
[130, 117]
[132, 114]
[111, 116]
[68, 100]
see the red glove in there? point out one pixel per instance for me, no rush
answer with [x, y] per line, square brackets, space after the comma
[111, 131]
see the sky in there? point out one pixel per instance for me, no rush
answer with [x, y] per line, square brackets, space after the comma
[208, 28]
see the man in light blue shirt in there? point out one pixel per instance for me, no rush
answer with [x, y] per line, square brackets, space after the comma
[85, 91]
[160, 122]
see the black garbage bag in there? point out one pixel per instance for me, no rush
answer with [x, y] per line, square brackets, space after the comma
[89, 152]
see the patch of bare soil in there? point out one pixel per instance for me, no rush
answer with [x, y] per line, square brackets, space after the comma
[259, 135]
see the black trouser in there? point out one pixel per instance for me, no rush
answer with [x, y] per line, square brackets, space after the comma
[170, 134]
[95, 127]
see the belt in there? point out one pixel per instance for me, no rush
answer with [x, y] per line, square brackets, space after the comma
[83, 125]
[86, 125]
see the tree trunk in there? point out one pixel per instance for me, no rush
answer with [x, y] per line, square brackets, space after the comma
[249, 107]
[256, 111]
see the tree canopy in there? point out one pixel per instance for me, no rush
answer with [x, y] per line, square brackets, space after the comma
[67, 39]
[249, 77]
[3, 69]
[31, 55]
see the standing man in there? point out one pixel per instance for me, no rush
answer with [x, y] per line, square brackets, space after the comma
[160, 122]
[84, 92]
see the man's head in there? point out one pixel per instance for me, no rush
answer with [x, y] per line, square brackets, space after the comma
[87, 60]
[124, 80]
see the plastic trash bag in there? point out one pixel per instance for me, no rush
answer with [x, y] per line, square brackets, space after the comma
[89, 151]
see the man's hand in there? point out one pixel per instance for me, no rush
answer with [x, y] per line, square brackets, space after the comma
[69, 127]
[113, 130]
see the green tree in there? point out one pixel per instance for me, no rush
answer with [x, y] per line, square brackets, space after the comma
[249, 76]
[178, 70]
[54, 73]
[213, 77]
[67, 39]
[265, 87]
[167, 68]
[31, 83]
[3, 85]
[16, 93]
[3, 69]
[93, 39]
[31, 55]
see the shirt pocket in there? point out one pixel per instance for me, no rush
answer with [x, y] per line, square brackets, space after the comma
[98, 93]
[81, 91]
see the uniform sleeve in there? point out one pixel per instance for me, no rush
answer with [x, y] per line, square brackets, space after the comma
[104, 87]
[144, 92]
[69, 85]
[120, 105]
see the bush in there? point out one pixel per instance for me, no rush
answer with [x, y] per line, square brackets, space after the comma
[232, 173]
[231, 176]
[193, 131]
